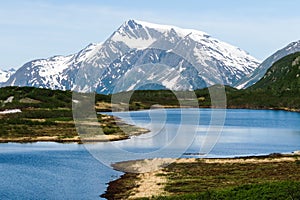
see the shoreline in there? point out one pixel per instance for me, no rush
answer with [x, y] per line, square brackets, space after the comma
[65, 137]
[267, 108]
[58, 140]
[147, 178]
[209, 107]
[76, 139]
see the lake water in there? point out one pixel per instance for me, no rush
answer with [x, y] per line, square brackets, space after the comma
[72, 171]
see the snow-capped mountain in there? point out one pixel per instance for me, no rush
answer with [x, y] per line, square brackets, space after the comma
[138, 54]
[54, 72]
[5, 74]
[258, 73]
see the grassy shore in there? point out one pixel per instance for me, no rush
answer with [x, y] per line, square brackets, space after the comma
[47, 116]
[263, 177]
[44, 125]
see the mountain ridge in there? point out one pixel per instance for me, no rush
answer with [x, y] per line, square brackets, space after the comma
[260, 71]
[284, 75]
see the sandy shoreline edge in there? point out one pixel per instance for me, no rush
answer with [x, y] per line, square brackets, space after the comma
[146, 165]
[146, 181]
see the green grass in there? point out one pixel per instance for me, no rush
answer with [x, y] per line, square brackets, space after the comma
[193, 177]
[265, 191]
[284, 75]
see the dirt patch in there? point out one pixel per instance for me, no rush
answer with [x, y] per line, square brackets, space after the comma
[29, 100]
[166, 177]
[143, 166]
[149, 184]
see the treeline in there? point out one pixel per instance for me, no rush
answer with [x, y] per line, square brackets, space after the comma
[30, 97]
[251, 98]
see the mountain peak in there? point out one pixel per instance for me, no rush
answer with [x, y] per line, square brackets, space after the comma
[137, 24]
[140, 34]
[133, 24]
[292, 45]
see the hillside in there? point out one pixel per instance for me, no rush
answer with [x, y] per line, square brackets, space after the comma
[261, 70]
[284, 75]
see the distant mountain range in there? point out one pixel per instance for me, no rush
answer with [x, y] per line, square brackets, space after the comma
[147, 56]
[142, 55]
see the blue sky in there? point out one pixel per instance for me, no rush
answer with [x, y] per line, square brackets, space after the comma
[31, 29]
